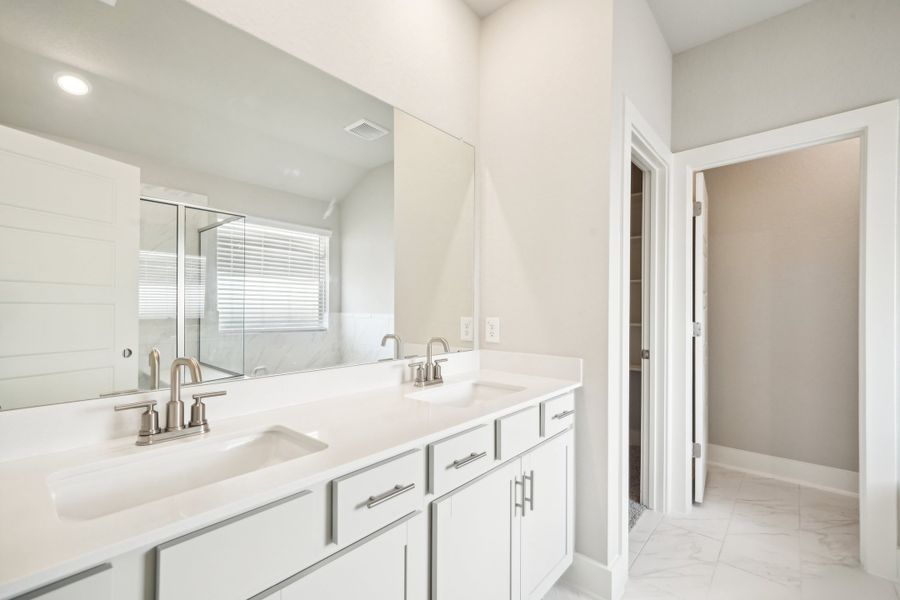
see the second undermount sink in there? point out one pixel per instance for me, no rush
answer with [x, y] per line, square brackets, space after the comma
[464, 393]
[108, 487]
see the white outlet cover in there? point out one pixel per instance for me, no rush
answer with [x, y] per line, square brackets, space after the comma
[466, 326]
[492, 330]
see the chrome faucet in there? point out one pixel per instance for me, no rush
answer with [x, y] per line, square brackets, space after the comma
[175, 406]
[154, 369]
[150, 432]
[429, 373]
[398, 344]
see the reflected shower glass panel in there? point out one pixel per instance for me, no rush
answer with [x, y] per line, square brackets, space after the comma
[214, 292]
[157, 293]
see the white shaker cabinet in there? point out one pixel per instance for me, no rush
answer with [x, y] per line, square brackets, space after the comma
[94, 584]
[474, 531]
[547, 527]
[387, 565]
[507, 535]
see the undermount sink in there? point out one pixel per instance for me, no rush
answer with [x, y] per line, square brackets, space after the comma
[464, 393]
[111, 486]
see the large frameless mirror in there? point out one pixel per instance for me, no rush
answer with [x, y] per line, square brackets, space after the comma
[172, 186]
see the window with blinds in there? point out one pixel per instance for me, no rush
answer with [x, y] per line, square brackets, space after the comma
[158, 285]
[271, 278]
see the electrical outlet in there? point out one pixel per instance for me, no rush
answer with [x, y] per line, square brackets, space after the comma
[492, 330]
[466, 325]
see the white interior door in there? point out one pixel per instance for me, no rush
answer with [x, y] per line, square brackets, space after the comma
[69, 234]
[701, 345]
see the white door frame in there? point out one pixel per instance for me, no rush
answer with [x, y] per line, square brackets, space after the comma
[877, 128]
[641, 144]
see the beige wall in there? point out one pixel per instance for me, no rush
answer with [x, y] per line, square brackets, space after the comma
[434, 225]
[367, 244]
[825, 57]
[783, 305]
[543, 194]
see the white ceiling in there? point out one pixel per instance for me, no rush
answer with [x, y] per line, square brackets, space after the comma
[689, 23]
[176, 85]
[485, 7]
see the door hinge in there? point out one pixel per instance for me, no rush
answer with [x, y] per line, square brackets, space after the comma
[695, 450]
[697, 330]
[645, 354]
[698, 209]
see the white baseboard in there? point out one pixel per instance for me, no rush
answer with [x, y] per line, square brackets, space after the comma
[831, 479]
[596, 580]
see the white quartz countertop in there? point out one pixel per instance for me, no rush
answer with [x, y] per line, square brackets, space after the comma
[38, 547]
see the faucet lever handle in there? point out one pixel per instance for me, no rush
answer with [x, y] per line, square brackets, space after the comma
[418, 370]
[202, 396]
[198, 409]
[149, 418]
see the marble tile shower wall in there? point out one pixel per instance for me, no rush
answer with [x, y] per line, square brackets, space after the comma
[351, 338]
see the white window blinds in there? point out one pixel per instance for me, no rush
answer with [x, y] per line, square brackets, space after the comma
[158, 285]
[271, 278]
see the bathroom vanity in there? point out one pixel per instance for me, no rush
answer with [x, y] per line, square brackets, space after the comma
[461, 490]
[205, 215]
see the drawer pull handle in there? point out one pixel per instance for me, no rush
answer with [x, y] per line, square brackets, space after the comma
[563, 414]
[460, 463]
[393, 493]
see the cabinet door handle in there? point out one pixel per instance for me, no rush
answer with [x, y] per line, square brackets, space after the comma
[563, 414]
[388, 495]
[460, 463]
[516, 503]
[530, 498]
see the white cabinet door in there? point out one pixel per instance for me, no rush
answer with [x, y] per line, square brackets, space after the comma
[376, 569]
[547, 543]
[69, 231]
[475, 539]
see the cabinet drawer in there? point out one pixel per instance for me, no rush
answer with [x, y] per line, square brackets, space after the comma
[557, 414]
[244, 555]
[518, 432]
[93, 584]
[459, 458]
[371, 498]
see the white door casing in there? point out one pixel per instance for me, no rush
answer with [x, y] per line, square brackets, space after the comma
[69, 234]
[701, 339]
[878, 128]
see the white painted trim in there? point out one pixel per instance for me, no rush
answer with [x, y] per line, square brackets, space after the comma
[830, 479]
[595, 580]
[879, 343]
[640, 143]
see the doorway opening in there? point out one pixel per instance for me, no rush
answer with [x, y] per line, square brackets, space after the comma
[776, 304]
[638, 342]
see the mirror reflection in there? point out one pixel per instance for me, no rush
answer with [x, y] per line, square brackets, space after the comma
[215, 198]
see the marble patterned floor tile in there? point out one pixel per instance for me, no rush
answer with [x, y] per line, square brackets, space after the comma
[686, 582]
[723, 483]
[840, 582]
[826, 548]
[823, 511]
[764, 516]
[639, 589]
[711, 518]
[730, 583]
[757, 488]
[671, 547]
[773, 556]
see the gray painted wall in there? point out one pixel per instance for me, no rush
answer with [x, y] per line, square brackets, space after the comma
[783, 305]
[825, 57]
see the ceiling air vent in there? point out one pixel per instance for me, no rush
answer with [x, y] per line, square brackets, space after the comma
[366, 130]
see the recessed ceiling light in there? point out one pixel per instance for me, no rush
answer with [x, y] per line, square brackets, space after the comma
[72, 84]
